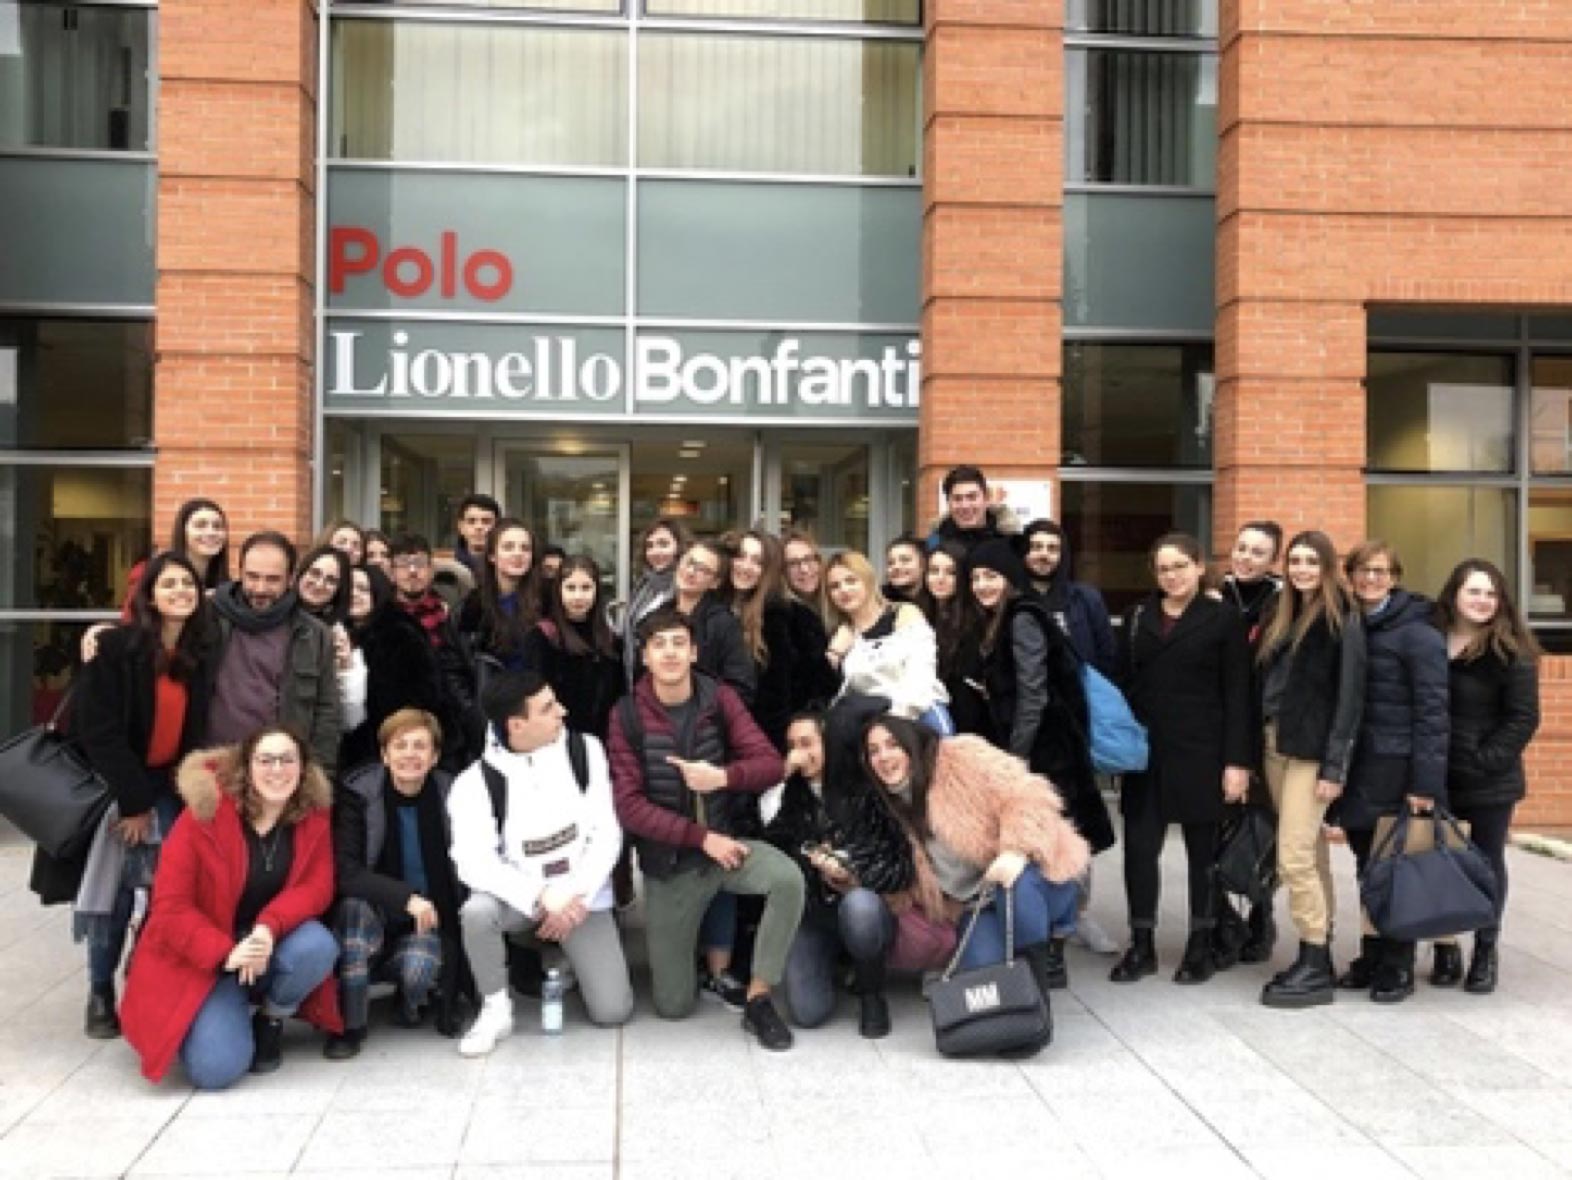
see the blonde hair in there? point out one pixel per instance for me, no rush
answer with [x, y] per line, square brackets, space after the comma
[861, 568]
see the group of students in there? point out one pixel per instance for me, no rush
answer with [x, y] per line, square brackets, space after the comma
[330, 772]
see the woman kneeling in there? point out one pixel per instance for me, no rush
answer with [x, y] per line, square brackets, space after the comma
[244, 878]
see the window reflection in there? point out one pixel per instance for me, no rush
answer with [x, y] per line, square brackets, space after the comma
[76, 78]
[68, 535]
[1439, 412]
[1111, 526]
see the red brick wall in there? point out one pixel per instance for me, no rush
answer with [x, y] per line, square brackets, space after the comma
[1378, 152]
[993, 93]
[236, 238]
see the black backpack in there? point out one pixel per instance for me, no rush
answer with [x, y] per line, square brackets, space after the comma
[497, 783]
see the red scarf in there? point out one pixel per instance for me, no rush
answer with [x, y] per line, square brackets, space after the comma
[430, 612]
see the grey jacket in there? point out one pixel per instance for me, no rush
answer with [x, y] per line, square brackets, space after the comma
[308, 696]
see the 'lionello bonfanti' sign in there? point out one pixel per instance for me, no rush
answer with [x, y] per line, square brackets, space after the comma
[469, 368]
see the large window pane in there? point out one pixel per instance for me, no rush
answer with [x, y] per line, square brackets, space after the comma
[1434, 528]
[1551, 431]
[824, 492]
[1144, 18]
[816, 254]
[38, 660]
[878, 12]
[75, 77]
[73, 384]
[1439, 412]
[1549, 594]
[708, 486]
[424, 476]
[68, 535]
[475, 93]
[76, 231]
[779, 104]
[1139, 262]
[597, 6]
[1141, 118]
[1137, 405]
[1111, 526]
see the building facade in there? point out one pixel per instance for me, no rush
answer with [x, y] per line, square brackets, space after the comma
[1156, 263]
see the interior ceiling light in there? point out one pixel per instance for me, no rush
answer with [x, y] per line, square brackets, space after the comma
[693, 443]
[688, 454]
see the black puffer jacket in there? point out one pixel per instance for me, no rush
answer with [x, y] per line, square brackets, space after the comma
[722, 652]
[1402, 744]
[1323, 702]
[877, 851]
[1495, 711]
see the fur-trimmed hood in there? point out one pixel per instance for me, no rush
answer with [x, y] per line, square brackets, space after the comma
[204, 775]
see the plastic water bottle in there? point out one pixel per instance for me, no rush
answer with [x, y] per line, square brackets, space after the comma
[551, 1003]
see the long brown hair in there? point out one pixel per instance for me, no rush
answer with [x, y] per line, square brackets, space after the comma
[601, 640]
[504, 633]
[1507, 635]
[300, 802]
[1294, 613]
[749, 605]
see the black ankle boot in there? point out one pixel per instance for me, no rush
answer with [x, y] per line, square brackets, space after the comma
[1446, 968]
[1263, 934]
[1394, 974]
[1483, 966]
[1228, 936]
[1361, 971]
[1306, 984]
[345, 1045]
[1058, 974]
[101, 1022]
[1140, 960]
[1197, 965]
[268, 1034]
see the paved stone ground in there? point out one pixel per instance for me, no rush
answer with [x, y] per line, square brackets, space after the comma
[1150, 1080]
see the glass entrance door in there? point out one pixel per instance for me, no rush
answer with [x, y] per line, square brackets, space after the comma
[575, 498]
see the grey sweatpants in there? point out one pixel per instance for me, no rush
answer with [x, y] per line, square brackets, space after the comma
[594, 950]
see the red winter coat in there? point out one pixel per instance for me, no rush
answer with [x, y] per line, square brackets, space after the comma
[190, 932]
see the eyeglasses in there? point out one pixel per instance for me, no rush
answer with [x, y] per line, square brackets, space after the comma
[318, 576]
[802, 563]
[411, 563]
[698, 567]
[1373, 573]
[274, 761]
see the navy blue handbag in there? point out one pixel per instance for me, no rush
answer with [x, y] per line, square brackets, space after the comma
[1446, 889]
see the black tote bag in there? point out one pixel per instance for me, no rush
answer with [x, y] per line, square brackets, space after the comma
[992, 1010]
[50, 791]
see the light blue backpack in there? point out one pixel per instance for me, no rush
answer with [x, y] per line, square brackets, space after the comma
[1118, 740]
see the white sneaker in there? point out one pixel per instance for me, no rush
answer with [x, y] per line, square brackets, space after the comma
[1092, 936]
[495, 1023]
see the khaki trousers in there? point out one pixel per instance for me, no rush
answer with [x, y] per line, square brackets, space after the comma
[1304, 861]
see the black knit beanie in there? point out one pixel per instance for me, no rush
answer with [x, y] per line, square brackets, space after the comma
[998, 555]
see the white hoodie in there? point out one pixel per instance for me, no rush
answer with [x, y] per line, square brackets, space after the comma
[555, 834]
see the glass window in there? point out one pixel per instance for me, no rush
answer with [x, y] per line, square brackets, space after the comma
[1433, 528]
[1439, 412]
[424, 476]
[1139, 262]
[877, 12]
[75, 77]
[824, 492]
[786, 252]
[1141, 117]
[68, 535]
[1550, 433]
[38, 660]
[708, 485]
[596, 6]
[1111, 526]
[74, 384]
[1138, 405]
[571, 498]
[1144, 18]
[1549, 594]
[1450, 326]
[816, 105]
[476, 93]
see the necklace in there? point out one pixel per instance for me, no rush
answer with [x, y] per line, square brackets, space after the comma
[268, 854]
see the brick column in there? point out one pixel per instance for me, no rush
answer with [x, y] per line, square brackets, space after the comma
[1378, 153]
[236, 237]
[992, 240]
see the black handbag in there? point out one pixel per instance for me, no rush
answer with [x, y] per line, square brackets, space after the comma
[50, 791]
[997, 1009]
[1247, 853]
[1446, 889]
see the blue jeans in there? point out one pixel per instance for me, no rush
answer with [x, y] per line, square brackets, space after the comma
[861, 924]
[719, 929]
[1043, 910]
[218, 1047]
[103, 958]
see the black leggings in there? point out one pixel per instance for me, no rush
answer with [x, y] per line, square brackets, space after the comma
[1144, 831]
[1489, 827]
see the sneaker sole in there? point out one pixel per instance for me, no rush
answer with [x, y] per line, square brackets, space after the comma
[722, 1001]
[1312, 1000]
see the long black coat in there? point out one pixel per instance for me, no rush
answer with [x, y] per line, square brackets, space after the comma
[112, 714]
[1192, 691]
[1403, 736]
[588, 686]
[1037, 710]
[1495, 711]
